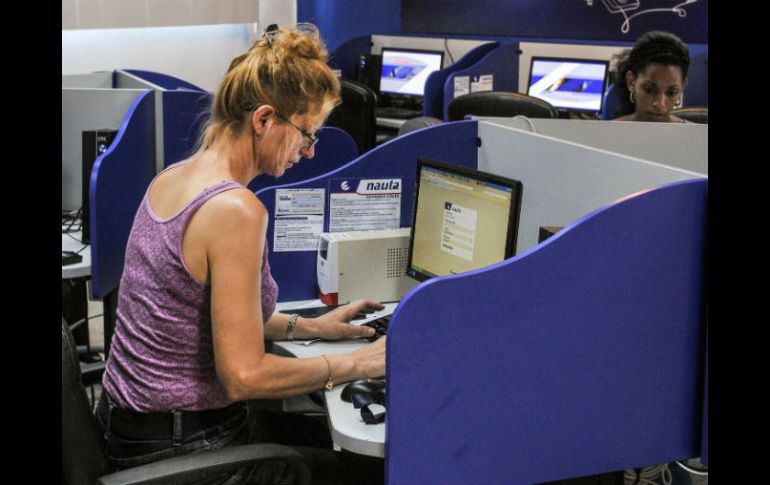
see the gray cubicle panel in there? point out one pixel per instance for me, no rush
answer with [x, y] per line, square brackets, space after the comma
[126, 80]
[94, 80]
[563, 180]
[682, 145]
[86, 109]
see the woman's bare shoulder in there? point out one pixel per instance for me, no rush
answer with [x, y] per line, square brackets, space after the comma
[236, 206]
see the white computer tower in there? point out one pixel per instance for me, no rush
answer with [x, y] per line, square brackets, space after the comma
[363, 264]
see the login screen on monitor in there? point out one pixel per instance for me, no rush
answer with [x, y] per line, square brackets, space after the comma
[464, 219]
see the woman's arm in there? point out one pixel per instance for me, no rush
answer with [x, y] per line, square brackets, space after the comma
[333, 325]
[236, 224]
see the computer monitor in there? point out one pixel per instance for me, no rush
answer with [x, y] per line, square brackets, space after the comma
[463, 219]
[404, 71]
[576, 85]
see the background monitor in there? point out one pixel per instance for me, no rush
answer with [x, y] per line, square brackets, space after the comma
[404, 71]
[569, 84]
[463, 219]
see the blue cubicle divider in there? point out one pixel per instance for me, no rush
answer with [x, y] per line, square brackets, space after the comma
[611, 104]
[582, 355]
[185, 111]
[697, 92]
[335, 148]
[295, 272]
[433, 99]
[119, 179]
[184, 115]
[345, 57]
[165, 81]
[502, 63]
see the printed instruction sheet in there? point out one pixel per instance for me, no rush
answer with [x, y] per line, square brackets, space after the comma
[299, 219]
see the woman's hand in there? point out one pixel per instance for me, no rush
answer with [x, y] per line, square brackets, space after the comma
[370, 360]
[336, 324]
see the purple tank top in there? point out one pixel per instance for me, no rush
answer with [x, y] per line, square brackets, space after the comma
[162, 353]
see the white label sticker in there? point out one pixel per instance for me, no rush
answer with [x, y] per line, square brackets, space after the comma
[299, 219]
[462, 85]
[485, 82]
[297, 233]
[364, 204]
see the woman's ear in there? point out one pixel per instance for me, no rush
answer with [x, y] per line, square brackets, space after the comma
[260, 116]
[684, 84]
[630, 79]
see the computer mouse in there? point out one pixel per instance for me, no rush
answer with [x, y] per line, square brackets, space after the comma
[371, 390]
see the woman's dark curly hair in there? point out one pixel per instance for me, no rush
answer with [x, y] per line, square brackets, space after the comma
[654, 47]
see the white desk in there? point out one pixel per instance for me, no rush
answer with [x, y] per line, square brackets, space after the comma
[71, 242]
[348, 429]
[78, 273]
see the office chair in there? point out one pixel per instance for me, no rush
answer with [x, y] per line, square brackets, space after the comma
[500, 103]
[695, 114]
[356, 114]
[417, 123]
[611, 104]
[84, 458]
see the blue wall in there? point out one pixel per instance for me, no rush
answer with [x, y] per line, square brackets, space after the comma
[558, 19]
[342, 20]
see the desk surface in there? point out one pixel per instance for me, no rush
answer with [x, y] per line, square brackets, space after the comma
[71, 242]
[348, 428]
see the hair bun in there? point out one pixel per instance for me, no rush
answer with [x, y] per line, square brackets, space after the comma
[303, 40]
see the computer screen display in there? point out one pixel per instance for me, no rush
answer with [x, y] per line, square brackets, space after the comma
[463, 219]
[569, 84]
[404, 71]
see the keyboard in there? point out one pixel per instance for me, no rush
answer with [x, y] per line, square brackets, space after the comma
[70, 257]
[397, 113]
[380, 326]
[311, 312]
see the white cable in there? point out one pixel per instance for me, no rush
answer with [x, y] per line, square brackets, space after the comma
[702, 473]
[83, 320]
[532, 126]
[77, 324]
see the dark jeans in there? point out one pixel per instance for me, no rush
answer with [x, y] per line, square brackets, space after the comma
[308, 436]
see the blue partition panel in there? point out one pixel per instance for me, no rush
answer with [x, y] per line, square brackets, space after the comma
[580, 356]
[345, 57]
[119, 179]
[611, 103]
[502, 63]
[295, 272]
[697, 92]
[185, 111]
[164, 80]
[184, 115]
[335, 148]
[433, 99]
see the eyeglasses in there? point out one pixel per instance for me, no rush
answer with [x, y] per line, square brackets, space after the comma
[312, 139]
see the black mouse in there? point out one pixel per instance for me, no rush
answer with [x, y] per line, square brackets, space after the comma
[371, 390]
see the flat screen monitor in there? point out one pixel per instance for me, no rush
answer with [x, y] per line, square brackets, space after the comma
[404, 71]
[569, 84]
[463, 219]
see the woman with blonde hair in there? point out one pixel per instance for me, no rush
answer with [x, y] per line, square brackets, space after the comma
[197, 300]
